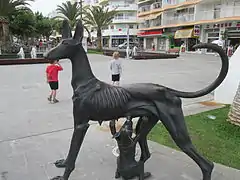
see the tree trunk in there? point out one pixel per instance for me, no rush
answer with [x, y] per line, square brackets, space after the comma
[99, 40]
[234, 113]
[89, 34]
[4, 33]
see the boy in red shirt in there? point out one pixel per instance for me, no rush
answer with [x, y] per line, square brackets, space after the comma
[52, 79]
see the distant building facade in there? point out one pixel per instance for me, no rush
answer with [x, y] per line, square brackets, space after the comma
[169, 23]
[126, 19]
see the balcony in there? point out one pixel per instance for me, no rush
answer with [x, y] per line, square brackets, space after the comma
[176, 2]
[216, 14]
[124, 7]
[181, 18]
[124, 19]
[156, 5]
[146, 8]
[150, 23]
[146, 24]
[117, 32]
[155, 22]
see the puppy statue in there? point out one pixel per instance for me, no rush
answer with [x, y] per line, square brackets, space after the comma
[127, 166]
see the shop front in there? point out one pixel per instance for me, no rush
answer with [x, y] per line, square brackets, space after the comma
[188, 37]
[150, 38]
[233, 35]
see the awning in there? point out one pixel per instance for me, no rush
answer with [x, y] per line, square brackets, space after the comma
[154, 16]
[183, 33]
[149, 17]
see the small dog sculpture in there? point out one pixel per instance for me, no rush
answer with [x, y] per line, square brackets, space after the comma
[127, 166]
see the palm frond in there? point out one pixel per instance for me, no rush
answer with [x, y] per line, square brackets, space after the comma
[69, 11]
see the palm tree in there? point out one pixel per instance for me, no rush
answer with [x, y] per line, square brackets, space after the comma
[98, 17]
[7, 8]
[234, 113]
[71, 12]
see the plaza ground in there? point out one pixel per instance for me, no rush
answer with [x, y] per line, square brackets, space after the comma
[34, 133]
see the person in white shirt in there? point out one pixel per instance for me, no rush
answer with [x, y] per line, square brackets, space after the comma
[135, 50]
[116, 69]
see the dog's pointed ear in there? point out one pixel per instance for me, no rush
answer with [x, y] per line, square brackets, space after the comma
[66, 30]
[78, 35]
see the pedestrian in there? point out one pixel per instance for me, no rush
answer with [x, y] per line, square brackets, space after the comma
[153, 46]
[116, 69]
[135, 50]
[52, 79]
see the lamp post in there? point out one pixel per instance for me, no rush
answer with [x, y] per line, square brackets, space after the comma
[128, 48]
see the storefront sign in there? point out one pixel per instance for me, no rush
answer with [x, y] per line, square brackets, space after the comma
[117, 37]
[196, 30]
[149, 33]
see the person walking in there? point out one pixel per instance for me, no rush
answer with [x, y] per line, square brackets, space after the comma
[52, 79]
[116, 69]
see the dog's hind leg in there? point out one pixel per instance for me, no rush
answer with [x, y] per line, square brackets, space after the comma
[173, 119]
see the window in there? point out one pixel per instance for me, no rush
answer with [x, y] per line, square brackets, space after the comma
[191, 10]
[131, 26]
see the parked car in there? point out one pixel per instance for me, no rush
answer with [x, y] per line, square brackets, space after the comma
[124, 45]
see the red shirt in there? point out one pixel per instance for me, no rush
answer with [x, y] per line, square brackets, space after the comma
[52, 72]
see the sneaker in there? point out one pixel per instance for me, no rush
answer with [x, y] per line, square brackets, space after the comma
[49, 98]
[55, 101]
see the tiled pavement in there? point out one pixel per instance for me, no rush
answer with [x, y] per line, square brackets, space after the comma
[33, 133]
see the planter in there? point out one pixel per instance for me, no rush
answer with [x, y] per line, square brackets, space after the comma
[109, 52]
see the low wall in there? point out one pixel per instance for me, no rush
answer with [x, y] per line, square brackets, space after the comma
[142, 55]
[23, 61]
[15, 56]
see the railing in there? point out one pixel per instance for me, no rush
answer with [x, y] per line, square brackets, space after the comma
[181, 18]
[177, 2]
[147, 24]
[155, 22]
[125, 18]
[146, 8]
[116, 32]
[123, 7]
[216, 14]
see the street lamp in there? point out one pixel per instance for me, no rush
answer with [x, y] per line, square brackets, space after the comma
[81, 6]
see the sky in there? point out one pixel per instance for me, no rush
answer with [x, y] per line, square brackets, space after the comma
[48, 6]
[45, 6]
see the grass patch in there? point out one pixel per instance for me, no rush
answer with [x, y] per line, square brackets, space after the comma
[90, 51]
[218, 140]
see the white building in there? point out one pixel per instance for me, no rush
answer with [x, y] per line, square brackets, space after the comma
[169, 23]
[116, 33]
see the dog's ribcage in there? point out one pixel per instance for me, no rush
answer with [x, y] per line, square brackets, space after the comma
[109, 98]
[103, 98]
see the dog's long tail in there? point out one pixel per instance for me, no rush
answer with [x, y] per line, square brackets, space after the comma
[216, 83]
